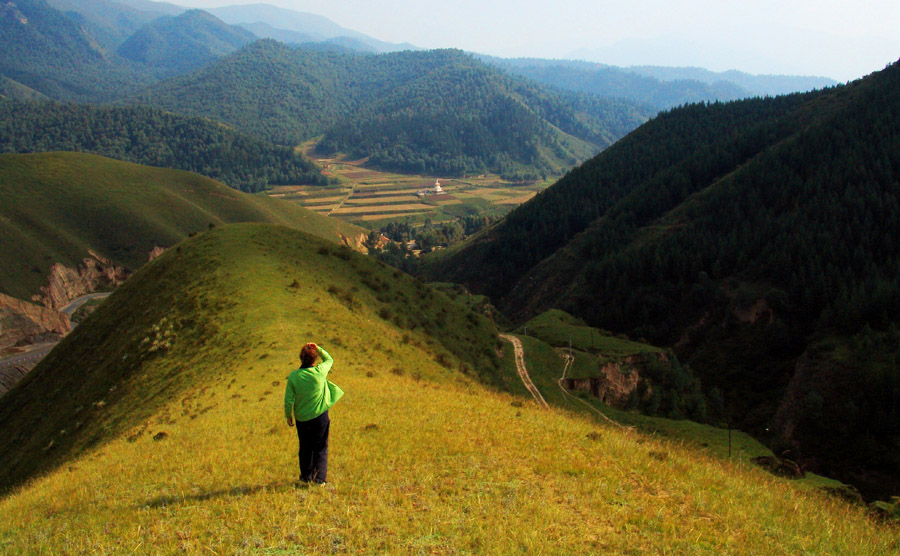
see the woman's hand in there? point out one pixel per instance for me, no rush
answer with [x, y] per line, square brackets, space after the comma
[290, 421]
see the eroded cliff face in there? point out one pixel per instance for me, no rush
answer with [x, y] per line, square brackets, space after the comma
[155, 252]
[65, 284]
[23, 323]
[616, 382]
[357, 243]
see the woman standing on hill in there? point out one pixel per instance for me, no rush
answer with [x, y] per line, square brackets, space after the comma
[307, 398]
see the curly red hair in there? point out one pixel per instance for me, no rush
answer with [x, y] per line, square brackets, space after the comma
[308, 355]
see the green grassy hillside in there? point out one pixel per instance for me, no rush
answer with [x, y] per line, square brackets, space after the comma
[158, 427]
[56, 206]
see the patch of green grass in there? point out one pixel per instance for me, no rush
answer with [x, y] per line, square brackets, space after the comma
[557, 327]
[56, 206]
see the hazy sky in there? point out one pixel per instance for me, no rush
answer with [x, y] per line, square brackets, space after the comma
[840, 39]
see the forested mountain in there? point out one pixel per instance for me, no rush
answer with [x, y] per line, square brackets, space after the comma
[174, 45]
[154, 137]
[108, 21]
[757, 238]
[659, 87]
[435, 111]
[48, 52]
[13, 90]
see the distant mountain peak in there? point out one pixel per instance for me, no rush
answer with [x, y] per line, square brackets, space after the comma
[184, 42]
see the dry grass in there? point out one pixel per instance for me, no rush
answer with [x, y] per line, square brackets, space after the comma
[368, 209]
[382, 200]
[422, 459]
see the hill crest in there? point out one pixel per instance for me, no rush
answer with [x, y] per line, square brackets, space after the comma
[179, 430]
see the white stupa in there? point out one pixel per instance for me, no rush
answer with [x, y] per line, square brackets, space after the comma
[437, 187]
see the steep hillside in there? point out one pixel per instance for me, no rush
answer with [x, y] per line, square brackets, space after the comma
[108, 21]
[13, 90]
[154, 137]
[435, 111]
[757, 240]
[175, 45]
[158, 426]
[50, 53]
[54, 207]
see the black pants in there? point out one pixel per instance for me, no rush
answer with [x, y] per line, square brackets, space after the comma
[313, 436]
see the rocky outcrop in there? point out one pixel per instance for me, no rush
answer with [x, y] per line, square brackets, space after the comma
[357, 242]
[155, 252]
[22, 323]
[65, 284]
[615, 384]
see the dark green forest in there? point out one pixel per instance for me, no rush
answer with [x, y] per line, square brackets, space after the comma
[154, 137]
[434, 111]
[50, 53]
[176, 45]
[750, 236]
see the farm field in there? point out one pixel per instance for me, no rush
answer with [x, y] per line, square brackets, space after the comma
[372, 198]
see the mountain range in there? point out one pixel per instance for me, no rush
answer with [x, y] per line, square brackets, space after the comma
[659, 87]
[425, 112]
[408, 111]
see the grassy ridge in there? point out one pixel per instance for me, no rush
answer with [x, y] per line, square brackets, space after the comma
[212, 300]
[423, 460]
[55, 206]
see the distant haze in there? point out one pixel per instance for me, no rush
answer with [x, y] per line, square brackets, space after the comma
[840, 39]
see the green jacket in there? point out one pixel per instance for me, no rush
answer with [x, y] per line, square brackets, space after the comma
[308, 394]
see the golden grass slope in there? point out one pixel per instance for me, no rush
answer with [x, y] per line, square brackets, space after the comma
[423, 460]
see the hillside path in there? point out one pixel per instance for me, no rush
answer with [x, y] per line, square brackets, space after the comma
[569, 359]
[522, 370]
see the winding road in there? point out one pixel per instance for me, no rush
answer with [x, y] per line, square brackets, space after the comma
[529, 385]
[11, 367]
[569, 360]
[522, 370]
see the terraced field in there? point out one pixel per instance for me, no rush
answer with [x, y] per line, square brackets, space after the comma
[371, 198]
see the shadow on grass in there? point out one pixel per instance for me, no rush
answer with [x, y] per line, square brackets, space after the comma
[237, 491]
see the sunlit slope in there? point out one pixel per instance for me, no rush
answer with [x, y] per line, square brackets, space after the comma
[56, 206]
[232, 294]
[422, 458]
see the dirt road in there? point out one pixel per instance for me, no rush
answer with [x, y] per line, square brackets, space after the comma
[522, 370]
[569, 395]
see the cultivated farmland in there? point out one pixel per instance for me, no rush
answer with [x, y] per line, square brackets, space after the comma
[371, 198]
